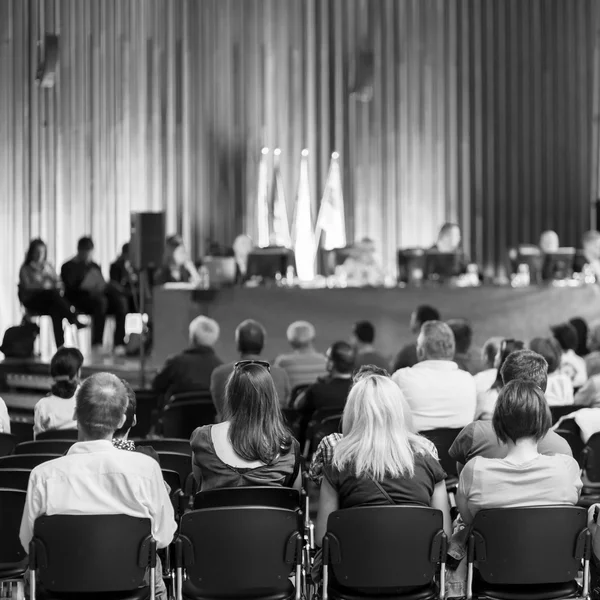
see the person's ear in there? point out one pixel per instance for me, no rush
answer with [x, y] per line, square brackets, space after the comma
[75, 414]
[122, 421]
[134, 421]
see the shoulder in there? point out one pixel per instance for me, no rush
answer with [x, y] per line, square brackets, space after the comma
[201, 436]
[222, 370]
[552, 443]
[402, 374]
[283, 360]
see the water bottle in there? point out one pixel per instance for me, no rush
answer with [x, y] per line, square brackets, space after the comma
[290, 275]
[204, 278]
[524, 275]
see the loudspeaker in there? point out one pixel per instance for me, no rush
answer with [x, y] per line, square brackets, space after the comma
[147, 243]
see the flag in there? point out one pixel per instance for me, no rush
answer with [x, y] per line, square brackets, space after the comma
[281, 226]
[330, 222]
[262, 198]
[304, 240]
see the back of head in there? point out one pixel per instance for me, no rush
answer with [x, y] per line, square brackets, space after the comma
[101, 404]
[130, 410]
[490, 350]
[204, 332]
[526, 365]
[85, 244]
[364, 332]
[256, 427]
[594, 337]
[566, 335]
[507, 347]
[521, 412]
[342, 357]
[436, 342]
[125, 249]
[367, 370]
[301, 334]
[250, 337]
[425, 313]
[590, 238]
[548, 350]
[64, 370]
[463, 334]
[581, 327]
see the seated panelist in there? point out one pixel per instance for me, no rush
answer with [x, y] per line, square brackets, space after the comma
[242, 247]
[177, 266]
[125, 279]
[362, 268]
[437, 264]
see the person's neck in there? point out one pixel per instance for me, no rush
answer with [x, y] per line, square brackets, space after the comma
[337, 375]
[249, 355]
[361, 347]
[82, 436]
[522, 450]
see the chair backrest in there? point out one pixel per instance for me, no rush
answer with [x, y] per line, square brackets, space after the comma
[91, 553]
[14, 479]
[260, 545]
[296, 391]
[58, 434]
[199, 395]
[325, 427]
[443, 439]
[561, 411]
[12, 503]
[575, 442]
[391, 562]
[25, 461]
[182, 446]
[44, 447]
[533, 545]
[7, 443]
[146, 405]
[182, 417]
[172, 479]
[276, 497]
[178, 462]
[21, 429]
[591, 459]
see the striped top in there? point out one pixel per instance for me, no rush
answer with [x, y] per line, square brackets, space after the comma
[302, 368]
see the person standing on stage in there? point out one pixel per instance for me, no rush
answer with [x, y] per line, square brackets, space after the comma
[39, 290]
[87, 290]
[242, 247]
[177, 266]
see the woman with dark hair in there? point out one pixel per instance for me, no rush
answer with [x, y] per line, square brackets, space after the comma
[177, 266]
[56, 411]
[560, 387]
[253, 445]
[571, 363]
[486, 400]
[39, 290]
[582, 329]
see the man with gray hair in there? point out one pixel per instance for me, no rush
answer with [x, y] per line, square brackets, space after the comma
[438, 393]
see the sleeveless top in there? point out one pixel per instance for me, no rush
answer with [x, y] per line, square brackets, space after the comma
[211, 472]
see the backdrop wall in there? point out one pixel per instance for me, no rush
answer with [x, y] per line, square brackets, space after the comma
[480, 111]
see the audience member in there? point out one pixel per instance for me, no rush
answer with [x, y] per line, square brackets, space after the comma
[407, 357]
[362, 268]
[464, 357]
[57, 410]
[124, 278]
[571, 364]
[363, 336]
[559, 391]
[252, 446]
[39, 290]
[177, 266]
[583, 331]
[96, 478]
[589, 394]
[4, 418]
[478, 438]
[591, 251]
[304, 365]
[438, 393]
[485, 379]
[191, 370]
[250, 340]
[592, 360]
[87, 290]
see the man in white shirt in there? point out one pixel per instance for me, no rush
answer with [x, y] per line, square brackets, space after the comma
[96, 478]
[438, 393]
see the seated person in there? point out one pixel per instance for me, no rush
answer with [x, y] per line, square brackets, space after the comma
[591, 251]
[486, 400]
[363, 336]
[252, 446]
[57, 410]
[242, 247]
[177, 266]
[304, 365]
[250, 340]
[190, 370]
[485, 379]
[407, 357]
[448, 242]
[106, 479]
[549, 242]
[4, 418]
[124, 278]
[39, 291]
[478, 438]
[464, 356]
[583, 332]
[559, 391]
[438, 393]
[570, 364]
[361, 267]
[86, 289]
[592, 360]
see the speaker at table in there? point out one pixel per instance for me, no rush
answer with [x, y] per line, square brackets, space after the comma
[411, 265]
[147, 243]
[268, 262]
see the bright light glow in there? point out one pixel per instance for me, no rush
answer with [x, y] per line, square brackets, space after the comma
[335, 155]
[277, 151]
[305, 152]
[265, 151]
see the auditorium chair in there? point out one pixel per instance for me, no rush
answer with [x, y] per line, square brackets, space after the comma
[25, 461]
[271, 496]
[443, 439]
[296, 391]
[13, 559]
[590, 476]
[7, 443]
[560, 411]
[239, 552]
[375, 551]
[15, 479]
[569, 430]
[322, 423]
[146, 407]
[172, 479]
[528, 553]
[58, 434]
[85, 556]
[179, 445]
[181, 417]
[22, 429]
[44, 447]
[178, 462]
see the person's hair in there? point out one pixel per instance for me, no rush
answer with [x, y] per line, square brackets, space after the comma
[364, 332]
[489, 351]
[594, 337]
[581, 327]
[64, 369]
[204, 332]
[590, 237]
[521, 412]
[463, 334]
[257, 430]
[85, 244]
[507, 347]
[101, 402]
[376, 440]
[546, 348]
[527, 365]
[300, 334]
[566, 335]
[342, 356]
[33, 246]
[250, 336]
[436, 341]
[425, 313]
[446, 228]
[125, 248]
[130, 410]
[367, 370]
[171, 244]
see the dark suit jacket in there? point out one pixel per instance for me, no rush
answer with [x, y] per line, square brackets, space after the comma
[407, 357]
[73, 273]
